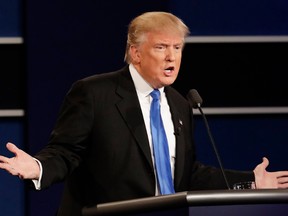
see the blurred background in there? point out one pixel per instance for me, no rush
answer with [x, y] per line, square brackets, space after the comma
[235, 58]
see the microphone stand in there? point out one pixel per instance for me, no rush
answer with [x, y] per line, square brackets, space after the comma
[213, 145]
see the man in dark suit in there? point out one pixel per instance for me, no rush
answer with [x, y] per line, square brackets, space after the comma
[101, 145]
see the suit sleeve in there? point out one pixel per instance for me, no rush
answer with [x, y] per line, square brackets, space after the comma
[211, 178]
[68, 139]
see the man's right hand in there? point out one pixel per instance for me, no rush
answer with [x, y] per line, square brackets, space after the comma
[22, 164]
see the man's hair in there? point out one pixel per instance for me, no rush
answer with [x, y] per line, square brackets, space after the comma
[153, 22]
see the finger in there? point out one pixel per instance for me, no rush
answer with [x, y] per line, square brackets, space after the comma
[281, 174]
[283, 186]
[8, 168]
[3, 159]
[282, 180]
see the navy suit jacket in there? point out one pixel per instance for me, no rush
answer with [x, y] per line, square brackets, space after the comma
[100, 148]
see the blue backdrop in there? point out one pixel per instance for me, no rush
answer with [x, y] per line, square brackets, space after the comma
[12, 199]
[68, 40]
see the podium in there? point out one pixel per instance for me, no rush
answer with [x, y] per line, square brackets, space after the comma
[198, 203]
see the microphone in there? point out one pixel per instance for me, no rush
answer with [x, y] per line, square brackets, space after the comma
[196, 101]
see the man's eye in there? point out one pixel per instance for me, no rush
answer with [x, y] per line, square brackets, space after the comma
[160, 47]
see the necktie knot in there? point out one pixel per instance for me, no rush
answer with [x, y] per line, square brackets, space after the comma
[155, 94]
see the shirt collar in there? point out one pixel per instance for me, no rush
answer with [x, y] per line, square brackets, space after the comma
[142, 87]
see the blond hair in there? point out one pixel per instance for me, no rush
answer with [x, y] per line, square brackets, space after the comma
[152, 22]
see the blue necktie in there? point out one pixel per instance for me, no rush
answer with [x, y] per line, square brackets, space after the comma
[160, 147]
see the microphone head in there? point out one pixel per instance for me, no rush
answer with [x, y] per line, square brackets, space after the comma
[194, 98]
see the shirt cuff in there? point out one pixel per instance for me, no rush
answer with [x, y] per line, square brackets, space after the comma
[37, 183]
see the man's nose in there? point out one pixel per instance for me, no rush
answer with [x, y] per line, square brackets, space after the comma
[170, 54]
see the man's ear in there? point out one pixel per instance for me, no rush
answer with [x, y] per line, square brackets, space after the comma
[135, 54]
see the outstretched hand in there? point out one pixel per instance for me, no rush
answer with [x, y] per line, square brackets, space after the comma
[269, 180]
[22, 164]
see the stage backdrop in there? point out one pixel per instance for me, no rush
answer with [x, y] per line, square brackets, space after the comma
[68, 40]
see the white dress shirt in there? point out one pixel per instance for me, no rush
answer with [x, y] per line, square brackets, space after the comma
[143, 90]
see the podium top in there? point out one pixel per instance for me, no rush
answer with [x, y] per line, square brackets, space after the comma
[190, 198]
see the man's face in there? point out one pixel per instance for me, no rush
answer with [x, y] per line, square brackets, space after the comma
[158, 58]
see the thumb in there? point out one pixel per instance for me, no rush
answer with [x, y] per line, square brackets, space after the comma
[265, 162]
[12, 148]
[260, 168]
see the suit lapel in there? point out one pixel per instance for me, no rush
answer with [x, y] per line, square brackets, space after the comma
[180, 141]
[130, 110]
